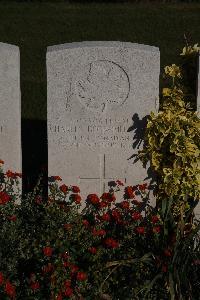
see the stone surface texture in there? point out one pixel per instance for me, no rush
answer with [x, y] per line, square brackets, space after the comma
[10, 107]
[94, 92]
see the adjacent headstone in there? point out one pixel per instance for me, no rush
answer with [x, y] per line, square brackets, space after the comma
[95, 90]
[10, 107]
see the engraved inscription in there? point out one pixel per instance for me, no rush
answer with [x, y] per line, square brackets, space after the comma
[2, 129]
[93, 133]
[101, 84]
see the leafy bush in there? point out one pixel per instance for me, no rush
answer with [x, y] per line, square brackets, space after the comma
[172, 140]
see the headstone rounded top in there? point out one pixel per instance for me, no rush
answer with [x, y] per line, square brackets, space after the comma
[8, 47]
[94, 44]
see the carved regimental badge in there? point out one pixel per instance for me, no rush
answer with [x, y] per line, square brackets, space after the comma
[101, 84]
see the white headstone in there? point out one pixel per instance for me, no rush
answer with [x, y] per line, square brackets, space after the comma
[93, 91]
[10, 107]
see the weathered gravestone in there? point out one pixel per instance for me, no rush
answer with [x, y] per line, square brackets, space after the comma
[10, 107]
[95, 90]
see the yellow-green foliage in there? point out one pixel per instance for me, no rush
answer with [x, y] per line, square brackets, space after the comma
[173, 140]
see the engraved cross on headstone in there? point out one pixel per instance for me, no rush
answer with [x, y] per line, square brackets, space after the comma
[102, 178]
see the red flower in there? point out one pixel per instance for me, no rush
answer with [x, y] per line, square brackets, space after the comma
[105, 217]
[10, 174]
[81, 276]
[167, 252]
[47, 251]
[73, 268]
[129, 192]
[164, 268]
[59, 297]
[75, 189]
[93, 199]
[140, 230]
[100, 232]
[68, 292]
[35, 285]
[156, 229]
[67, 283]
[4, 198]
[76, 198]
[10, 289]
[142, 187]
[38, 199]
[64, 188]
[57, 178]
[119, 182]
[1, 278]
[85, 223]
[116, 214]
[68, 226]
[92, 250]
[110, 197]
[12, 218]
[136, 216]
[66, 264]
[155, 219]
[111, 243]
[125, 204]
[103, 204]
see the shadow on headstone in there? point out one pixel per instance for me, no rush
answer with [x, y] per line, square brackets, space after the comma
[34, 158]
[138, 127]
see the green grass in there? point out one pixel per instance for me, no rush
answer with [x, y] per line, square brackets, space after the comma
[34, 26]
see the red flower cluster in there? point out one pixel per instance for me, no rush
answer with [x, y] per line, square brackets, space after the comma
[105, 217]
[57, 178]
[48, 251]
[125, 204]
[4, 198]
[13, 175]
[1, 278]
[75, 189]
[81, 276]
[10, 289]
[129, 192]
[143, 187]
[64, 188]
[93, 199]
[155, 219]
[136, 216]
[92, 250]
[12, 218]
[100, 232]
[75, 198]
[156, 229]
[140, 230]
[35, 285]
[111, 243]
[119, 182]
[108, 197]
